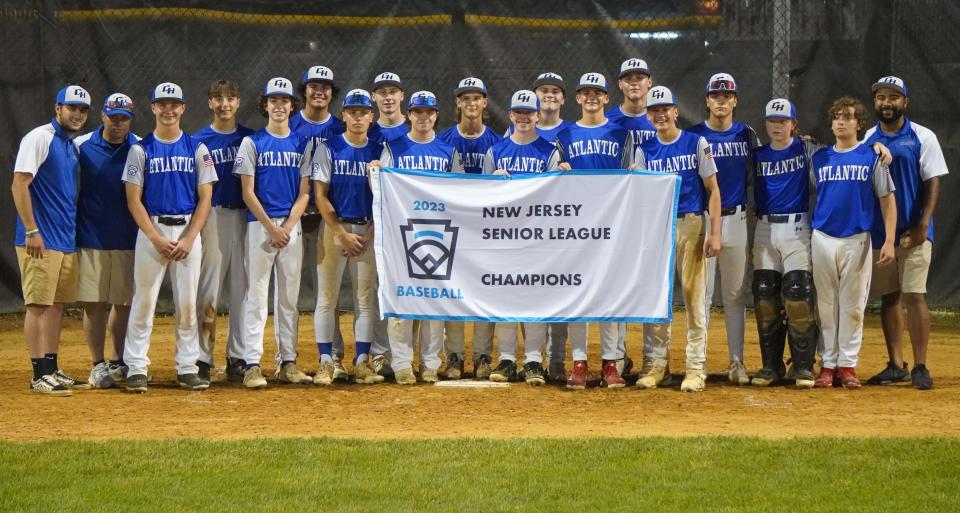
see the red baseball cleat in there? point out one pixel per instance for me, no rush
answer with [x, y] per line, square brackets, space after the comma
[825, 379]
[578, 376]
[611, 378]
[848, 378]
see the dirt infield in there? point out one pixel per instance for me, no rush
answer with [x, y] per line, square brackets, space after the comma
[227, 411]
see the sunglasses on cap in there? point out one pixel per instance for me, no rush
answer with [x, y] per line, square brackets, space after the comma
[722, 85]
[118, 104]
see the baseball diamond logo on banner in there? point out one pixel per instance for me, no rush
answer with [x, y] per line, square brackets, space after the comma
[430, 245]
[575, 246]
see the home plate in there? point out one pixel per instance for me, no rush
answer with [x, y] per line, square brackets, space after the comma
[469, 383]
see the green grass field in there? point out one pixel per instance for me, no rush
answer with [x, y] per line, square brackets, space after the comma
[637, 475]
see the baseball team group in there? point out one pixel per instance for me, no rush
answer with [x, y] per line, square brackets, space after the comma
[104, 215]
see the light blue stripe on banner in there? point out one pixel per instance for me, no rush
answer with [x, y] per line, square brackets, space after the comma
[466, 318]
[673, 243]
[518, 176]
[428, 233]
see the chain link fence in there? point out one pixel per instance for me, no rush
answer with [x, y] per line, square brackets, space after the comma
[811, 52]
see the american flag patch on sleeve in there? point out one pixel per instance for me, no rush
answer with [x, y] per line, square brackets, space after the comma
[207, 160]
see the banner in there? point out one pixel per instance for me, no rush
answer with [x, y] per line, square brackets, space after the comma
[571, 246]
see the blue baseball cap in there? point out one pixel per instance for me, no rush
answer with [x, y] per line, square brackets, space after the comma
[357, 98]
[278, 86]
[387, 79]
[73, 95]
[549, 78]
[524, 100]
[318, 74]
[118, 103]
[167, 91]
[780, 108]
[659, 95]
[470, 85]
[593, 80]
[423, 100]
[895, 83]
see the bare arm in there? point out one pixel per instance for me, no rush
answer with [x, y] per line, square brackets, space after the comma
[278, 237]
[24, 204]
[197, 220]
[163, 245]
[931, 191]
[713, 207]
[350, 243]
[888, 207]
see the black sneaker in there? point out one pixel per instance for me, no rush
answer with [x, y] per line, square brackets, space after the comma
[891, 374]
[192, 382]
[533, 374]
[920, 377]
[203, 370]
[48, 385]
[137, 383]
[505, 372]
[68, 382]
[235, 369]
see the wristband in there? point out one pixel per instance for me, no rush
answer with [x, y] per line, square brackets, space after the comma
[31, 233]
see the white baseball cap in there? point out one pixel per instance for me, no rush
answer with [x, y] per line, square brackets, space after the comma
[167, 91]
[387, 79]
[631, 65]
[659, 95]
[895, 83]
[780, 108]
[318, 74]
[423, 100]
[73, 95]
[278, 86]
[594, 80]
[524, 100]
[470, 85]
[118, 103]
[722, 83]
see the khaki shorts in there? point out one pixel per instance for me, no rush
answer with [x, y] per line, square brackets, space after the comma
[48, 280]
[106, 276]
[908, 275]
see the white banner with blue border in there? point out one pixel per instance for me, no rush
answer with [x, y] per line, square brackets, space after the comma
[577, 246]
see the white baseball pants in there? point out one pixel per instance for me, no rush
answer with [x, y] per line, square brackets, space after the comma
[222, 252]
[841, 274]
[782, 247]
[609, 340]
[534, 339]
[732, 262]
[262, 260]
[401, 332]
[482, 340]
[363, 275]
[148, 270]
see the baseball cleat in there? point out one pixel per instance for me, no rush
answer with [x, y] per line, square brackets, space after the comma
[610, 376]
[652, 376]
[557, 373]
[454, 368]
[290, 373]
[235, 370]
[203, 370]
[890, 374]
[137, 383]
[804, 379]
[578, 376]
[382, 367]
[825, 379]
[481, 367]
[920, 377]
[737, 374]
[118, 370]
[848, 378]
[695, 381]
[505, 372]
[69, 382]
[339, 371]
[100, 376]
[764, 378]
[364, 374]
[405, 376]
[47, 385]
[324, 375]
[253, 378]
[624, 366]
[533, 374]
[429, 375]
[192, 382]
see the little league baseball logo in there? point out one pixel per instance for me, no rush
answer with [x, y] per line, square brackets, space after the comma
[430, 245]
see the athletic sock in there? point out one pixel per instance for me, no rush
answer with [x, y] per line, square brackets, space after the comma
[326, 352]
[363, 349]
[39, 367]
[284, 362]
[250, 366]
[98, 362]
[52, 365]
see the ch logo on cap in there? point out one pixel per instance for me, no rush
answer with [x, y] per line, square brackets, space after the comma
[523, 98]
[778, 106]
[469, 82]
[386, 76]
[889, 80]
[169, 89]
[320, 71]
[79, 93]
[658, 94]
[553, 76]
[593, 79]
[635, 63]
[280, 83]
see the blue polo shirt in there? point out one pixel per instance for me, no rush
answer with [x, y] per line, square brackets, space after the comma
[103, 219]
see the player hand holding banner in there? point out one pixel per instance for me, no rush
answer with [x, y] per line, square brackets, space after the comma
[578, 246]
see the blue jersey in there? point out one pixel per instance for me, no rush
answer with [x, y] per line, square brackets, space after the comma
[436, 155]
[169, 172]
[537, 156]
[48, 153]
[103, 219]
[548, 134]
[472, 150]
[639, 125]
[605, 146]
[223, 148]
[731, 151]
[309, 129]
[379, 134]
[847, 182]
[276, 165]
[343, 167]
[917, 157]
[782, 179]
[689, 156]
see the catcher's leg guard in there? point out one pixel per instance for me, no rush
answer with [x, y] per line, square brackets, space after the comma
[798, 301]
[769, 313]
